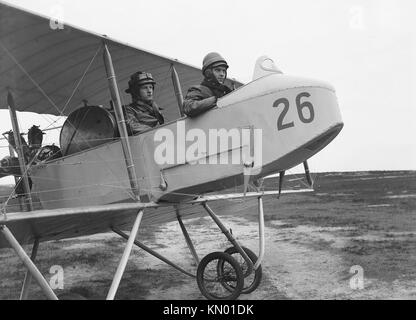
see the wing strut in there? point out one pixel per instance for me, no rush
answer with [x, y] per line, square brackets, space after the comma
[28, 277]
[32, 269]
[121, 122]
[178, 90]
[16, 179]
[124, 259]
[16, 133]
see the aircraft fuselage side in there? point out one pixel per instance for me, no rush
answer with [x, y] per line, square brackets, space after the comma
[275, 122]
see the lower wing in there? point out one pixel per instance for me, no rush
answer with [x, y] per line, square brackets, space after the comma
[56, 224]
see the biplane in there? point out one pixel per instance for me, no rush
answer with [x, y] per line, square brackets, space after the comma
[100, 179]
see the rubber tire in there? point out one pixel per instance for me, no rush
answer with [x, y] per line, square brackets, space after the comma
[257, 274]
[220, 256]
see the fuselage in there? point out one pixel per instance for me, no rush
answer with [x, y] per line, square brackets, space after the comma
[268, 125]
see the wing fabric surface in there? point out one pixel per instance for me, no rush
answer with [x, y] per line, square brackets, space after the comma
[43, 67]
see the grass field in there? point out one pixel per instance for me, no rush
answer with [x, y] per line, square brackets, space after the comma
[364, 219]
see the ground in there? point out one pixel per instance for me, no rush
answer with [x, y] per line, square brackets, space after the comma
[315, 242]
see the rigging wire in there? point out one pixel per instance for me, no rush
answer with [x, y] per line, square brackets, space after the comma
[50, 100]
[77, 85]
[28, 75]
[61, 112]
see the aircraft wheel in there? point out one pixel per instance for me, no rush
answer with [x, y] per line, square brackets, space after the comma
[251, 281]
[211, 284]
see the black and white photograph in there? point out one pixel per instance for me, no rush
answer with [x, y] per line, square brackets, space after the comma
[209, 151]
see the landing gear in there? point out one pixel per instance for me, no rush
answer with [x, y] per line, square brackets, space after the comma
[220, 275]
[229, 265]
[225, 283]
[251, 279]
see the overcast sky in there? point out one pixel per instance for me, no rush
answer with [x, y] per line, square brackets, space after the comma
[365, 49]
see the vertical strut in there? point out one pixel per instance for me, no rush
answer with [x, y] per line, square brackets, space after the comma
[178, 90]
[28, 276]
[126, 254]
[28, 263]
[121, 122]
[261, 234]
[16, 180]
[19, 149]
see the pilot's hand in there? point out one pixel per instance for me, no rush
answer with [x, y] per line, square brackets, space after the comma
[211, 100]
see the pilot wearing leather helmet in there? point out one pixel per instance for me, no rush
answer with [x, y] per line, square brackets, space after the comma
[203, 97]
[142, 113]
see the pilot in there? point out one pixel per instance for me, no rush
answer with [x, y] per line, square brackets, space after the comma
[142, 113]
[203, 97]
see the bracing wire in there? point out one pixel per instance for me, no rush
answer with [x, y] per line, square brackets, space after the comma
[42, 91]
[165, 78]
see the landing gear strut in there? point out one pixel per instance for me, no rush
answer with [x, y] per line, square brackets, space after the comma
[220, 275]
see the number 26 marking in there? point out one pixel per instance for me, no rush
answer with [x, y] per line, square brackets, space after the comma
[300, 107]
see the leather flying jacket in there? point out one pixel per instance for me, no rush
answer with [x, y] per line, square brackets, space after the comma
[141, 116]
[197, 98]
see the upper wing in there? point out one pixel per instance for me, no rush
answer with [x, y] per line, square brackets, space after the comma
[75, 222]
[53, 71]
